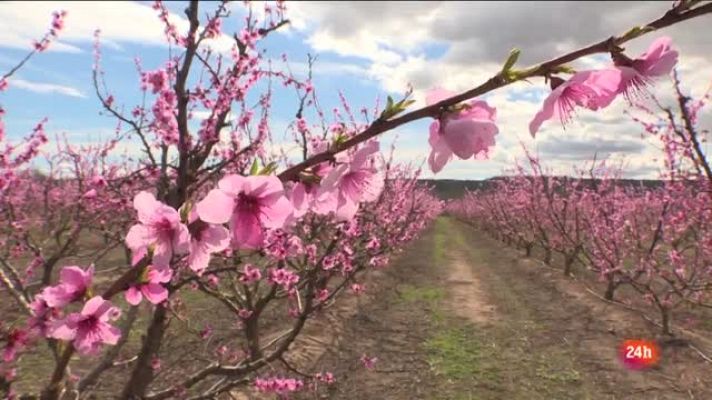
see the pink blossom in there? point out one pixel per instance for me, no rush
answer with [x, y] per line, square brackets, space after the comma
[353, 182]
[16, 340]
[467, 133]
[160, 227]
[326, 377]
[249, 204]
[205, 239]
[90, 194]
[73, 286]
[90, 328]
[206, 332]
[357, 288]
[150, 286]
[283, 277]
[322, 295]
[590, 89]
[657, 61]
[279, 386]
[250, 274]
[42, 314]
[307, 197]
[155, 363]
[368, 362]
[157, 80]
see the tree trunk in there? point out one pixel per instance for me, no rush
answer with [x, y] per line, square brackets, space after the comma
[547, 256]
[528, 249]
[665, 314]
[610, 289]
[142, 374]
[568, 264]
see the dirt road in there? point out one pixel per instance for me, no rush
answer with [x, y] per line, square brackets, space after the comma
[461, 316]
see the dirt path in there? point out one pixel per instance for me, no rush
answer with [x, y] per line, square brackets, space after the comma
[460, 316]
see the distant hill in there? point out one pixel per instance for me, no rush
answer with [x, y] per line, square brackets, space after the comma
[452, 188]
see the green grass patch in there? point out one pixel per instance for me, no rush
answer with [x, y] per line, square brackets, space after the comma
[410, 293]
[457, 355]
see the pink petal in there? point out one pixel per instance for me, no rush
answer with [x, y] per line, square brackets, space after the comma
[216, 207]
[162, 254]
[440, 153]
[154, 292]
[372, 187]
[480, 110]
[198, 259]
[363, 154]
[246, 230]
[606, 84]
[458, 136]
[216, 238]
[96, 306]
[547, 110]
[232, 184]
[325, 202]
[60, 330]
[331, 181]
[133, 296]
[660, 57]
[181, 240]
[347, 210]
[145, 203]
[138, 255]
[56, 296]
[268, 188]
[300, 199]
[159, 275]
[137, 237]
[273, 216]
[109, 334]
[74, 277]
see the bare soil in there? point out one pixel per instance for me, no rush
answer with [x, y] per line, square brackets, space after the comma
[462, 316]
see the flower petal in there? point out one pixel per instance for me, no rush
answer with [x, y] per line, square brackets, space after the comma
[154, 292]
[145, 203]
[137, 237]
[232, 184]
[216, 207]
[133, 296]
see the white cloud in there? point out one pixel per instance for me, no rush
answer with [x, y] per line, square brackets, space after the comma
[46, 88]
[119, 21]
[473, 39]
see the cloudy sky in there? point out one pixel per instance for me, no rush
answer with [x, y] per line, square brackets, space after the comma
[367, 50]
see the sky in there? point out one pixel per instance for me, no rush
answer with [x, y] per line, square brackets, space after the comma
[366, 50]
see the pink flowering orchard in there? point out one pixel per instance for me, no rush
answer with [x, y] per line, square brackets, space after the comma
[654, 240]
[211, 241]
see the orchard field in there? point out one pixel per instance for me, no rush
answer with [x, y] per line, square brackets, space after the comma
[207, 249]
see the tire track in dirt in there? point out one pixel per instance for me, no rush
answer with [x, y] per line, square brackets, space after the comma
[466, 297]
[566, 319]
[461, 316]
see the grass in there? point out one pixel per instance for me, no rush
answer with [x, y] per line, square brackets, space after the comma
[497, 360]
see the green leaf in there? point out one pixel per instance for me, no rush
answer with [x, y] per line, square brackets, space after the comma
[637, 31]
[255, 167]
[511, 60]
[564, 69]
[185, 211]
[268, 169]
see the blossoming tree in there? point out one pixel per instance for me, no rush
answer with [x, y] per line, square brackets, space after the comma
[209, 219]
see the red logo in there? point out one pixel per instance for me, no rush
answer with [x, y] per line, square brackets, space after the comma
[639, 354]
